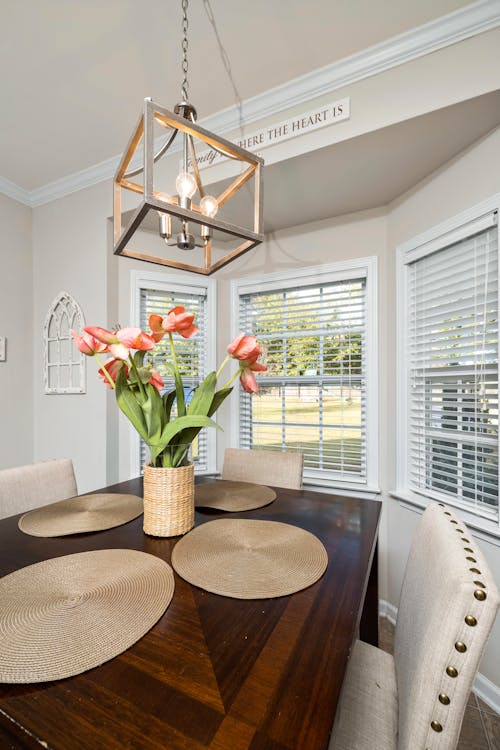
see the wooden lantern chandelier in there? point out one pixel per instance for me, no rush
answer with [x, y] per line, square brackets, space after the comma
[189, 227]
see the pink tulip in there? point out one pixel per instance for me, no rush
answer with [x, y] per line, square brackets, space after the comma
[180, 321]
[247, 377]
[87, 344]
[120, 342]
[244, 348]
[101, 334]
[134, 338]
[112, 367]
[157, 381]
[157, 332]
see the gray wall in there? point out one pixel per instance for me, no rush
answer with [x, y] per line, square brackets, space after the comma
[16, 324]
[467, 180]
[70, 254]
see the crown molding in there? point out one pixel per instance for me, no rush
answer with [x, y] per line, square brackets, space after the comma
[435, 35]
[100, 172]
[442, 32]
[11, 190]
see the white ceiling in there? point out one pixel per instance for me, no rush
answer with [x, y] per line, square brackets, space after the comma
[75, 72]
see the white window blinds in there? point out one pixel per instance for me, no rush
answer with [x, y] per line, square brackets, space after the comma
[452, 356]
[192, 353]
[313, 396]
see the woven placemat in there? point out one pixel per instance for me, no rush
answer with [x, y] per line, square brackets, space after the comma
[78, 515]
[249, 559]
[232, 496]
[63, 616]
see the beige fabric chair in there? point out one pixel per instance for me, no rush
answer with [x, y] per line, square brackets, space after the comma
[28, 487]
[416, 699]
[277, 468]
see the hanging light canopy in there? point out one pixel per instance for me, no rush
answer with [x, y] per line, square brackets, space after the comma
[185, 226]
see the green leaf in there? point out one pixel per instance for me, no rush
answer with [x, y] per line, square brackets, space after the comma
[180, 456]
[181, 404]
[139, 358]
[203, 396]
[172, 429]
[217, 400]
[198, 406]
[127, 401]
[152, 409]
[188, 435]
[168, 402]
[145, 374]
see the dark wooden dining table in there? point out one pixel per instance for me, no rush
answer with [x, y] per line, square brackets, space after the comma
[214, 672]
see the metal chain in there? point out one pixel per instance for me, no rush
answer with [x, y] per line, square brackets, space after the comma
[185, 85]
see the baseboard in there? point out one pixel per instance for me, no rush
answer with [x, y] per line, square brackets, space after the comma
[487, 691]
[483, 688]
[385, 609]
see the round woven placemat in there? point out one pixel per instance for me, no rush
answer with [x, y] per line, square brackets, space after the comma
[249, 559]
[78, 515]
[63, 616]
[232, 496]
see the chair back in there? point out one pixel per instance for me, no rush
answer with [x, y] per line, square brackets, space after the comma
[277, 468]
[28, 487]
[448, 605]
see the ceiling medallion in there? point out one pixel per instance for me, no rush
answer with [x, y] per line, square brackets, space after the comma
[184, 226]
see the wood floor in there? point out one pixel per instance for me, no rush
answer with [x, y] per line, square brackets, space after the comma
[481, 727]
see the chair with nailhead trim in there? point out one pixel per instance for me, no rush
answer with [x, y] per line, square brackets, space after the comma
[28, 487]
[415, 700]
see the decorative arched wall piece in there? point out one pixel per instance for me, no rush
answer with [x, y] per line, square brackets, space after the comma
[64, 366]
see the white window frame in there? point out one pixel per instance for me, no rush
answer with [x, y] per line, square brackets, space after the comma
[331, 272]
[446, 233]
[182, 283]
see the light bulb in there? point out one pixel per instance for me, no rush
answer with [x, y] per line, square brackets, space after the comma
[209, 206]
[185, 185]
[165, 226]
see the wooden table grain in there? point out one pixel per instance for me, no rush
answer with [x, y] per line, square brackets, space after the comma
[214, 672]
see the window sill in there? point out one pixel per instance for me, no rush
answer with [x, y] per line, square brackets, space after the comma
[481, 528]
[318, 485]
[368, 493]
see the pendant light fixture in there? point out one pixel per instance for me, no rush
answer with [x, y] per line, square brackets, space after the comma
[163, 213]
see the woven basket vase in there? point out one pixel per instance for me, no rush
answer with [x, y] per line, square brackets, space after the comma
[168, 500]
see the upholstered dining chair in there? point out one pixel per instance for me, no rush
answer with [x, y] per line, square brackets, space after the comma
[278, 468]
[28, 487]
[415, 700]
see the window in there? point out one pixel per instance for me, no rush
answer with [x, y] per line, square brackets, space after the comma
[450, 346]
[317, 340]
[155, 294]
[64, 370]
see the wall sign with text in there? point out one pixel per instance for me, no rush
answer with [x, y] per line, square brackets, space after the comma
[328, 114]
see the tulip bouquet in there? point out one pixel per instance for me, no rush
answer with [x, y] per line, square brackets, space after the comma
[140, 391]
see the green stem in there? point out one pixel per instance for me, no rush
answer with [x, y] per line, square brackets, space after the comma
[106, 373]
[232, 379]
[222, 367]
[179, 389]
[134, 368]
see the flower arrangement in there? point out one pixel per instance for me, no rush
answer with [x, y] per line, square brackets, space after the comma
[140, 390]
